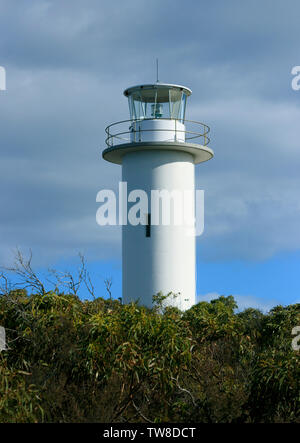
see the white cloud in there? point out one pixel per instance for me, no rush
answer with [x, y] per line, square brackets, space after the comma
[243, 301]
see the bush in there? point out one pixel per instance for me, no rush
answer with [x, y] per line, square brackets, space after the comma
[99, 361]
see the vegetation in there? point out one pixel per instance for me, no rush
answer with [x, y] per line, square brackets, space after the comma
[70, 360]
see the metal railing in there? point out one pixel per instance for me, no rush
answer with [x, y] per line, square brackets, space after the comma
[134, 134]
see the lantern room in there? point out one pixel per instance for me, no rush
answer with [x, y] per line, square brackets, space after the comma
[157, 101]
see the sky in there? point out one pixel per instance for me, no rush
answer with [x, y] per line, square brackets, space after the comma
[67, 63]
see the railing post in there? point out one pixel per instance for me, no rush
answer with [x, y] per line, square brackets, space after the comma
[108, 137]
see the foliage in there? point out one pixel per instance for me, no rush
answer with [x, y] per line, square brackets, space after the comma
[70, 360]
[19, 401]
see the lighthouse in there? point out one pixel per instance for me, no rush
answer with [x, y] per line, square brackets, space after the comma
[158, 150]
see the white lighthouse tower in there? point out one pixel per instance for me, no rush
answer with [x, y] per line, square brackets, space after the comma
[158, 150]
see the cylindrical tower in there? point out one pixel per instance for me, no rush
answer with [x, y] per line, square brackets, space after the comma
[158, 162]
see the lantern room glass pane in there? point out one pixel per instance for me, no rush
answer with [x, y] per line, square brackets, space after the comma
[175, 96]
[152, 103]
[183, 107]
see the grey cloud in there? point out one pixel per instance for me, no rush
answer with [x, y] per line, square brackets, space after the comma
[67, 65]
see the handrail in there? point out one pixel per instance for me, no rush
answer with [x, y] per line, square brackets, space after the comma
[192, 134]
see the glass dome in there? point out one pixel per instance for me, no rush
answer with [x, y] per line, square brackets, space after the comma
[157, 100]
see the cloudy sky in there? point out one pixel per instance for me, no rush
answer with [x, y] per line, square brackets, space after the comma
[67, 63]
